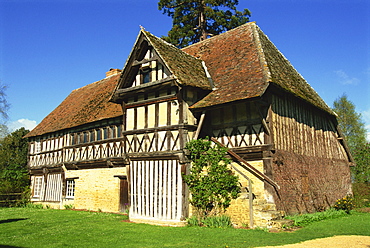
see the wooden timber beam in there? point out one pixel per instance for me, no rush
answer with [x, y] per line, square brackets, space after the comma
[158, 129]
[264, 122]
[154, 58]
[151, 101]
[145, 86]
[200, 124]
[248, 166]
[343, 142]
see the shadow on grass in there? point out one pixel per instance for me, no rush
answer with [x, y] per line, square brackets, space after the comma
[11, 220]
[9, 246]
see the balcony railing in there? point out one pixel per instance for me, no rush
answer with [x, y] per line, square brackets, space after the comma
[105, 149]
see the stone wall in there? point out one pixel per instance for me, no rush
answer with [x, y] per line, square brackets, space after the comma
[263, 209]
[309, 184]
[97, 189]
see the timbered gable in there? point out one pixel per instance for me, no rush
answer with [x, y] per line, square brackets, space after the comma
[155, 90]
[154, 64]
[144, 66]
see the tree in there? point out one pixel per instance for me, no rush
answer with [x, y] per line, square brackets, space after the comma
[4, 107]
[13, 162]
[211, 183]
[350, 123]
[196, 20]
[361, 171]
[354, 131]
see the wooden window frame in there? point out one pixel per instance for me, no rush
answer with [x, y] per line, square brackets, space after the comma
[99, 134]
[70, 188]
[37, 146]
[37, 186]
[146, 75]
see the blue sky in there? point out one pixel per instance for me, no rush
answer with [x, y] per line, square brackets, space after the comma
[50, 47]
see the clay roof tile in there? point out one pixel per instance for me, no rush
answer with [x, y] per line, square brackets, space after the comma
[84, 105]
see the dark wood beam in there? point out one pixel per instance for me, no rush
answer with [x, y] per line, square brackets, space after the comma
[136, 62]
[248, 166]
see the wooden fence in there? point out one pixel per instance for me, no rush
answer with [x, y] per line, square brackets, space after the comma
[10, 199]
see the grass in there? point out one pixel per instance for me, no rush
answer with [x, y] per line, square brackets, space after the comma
[307, 219]
[30, 227]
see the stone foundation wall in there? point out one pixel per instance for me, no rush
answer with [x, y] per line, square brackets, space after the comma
[239, 210]
[97, 189]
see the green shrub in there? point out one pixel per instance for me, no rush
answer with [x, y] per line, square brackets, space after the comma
[361, 194]
[306, 219]
[34, 205]
[193, 221]
[221, 221]
[345, 203]
[69, 206]
[211, 183]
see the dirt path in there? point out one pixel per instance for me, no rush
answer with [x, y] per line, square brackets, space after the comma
[353, 241]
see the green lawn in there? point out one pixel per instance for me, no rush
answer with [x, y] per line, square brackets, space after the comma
[26, 227]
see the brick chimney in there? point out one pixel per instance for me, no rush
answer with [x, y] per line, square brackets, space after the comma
[112, 72]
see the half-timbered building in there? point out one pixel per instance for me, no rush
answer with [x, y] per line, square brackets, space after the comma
[118, 144]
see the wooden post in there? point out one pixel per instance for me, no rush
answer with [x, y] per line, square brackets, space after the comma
[200, 124]
[250, 196]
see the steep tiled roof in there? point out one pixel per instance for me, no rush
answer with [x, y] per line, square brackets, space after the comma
[84, 105]
[180, 63]
[243, 62]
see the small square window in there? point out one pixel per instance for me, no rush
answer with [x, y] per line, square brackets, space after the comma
[146, 76]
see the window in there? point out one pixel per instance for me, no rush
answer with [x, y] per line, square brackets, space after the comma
[146, 76]
[37, 146]
[98, 134]
[37, 186]
[92, 136]
[105, 133]
[119, 131]
[73, 140]
[114, 132]
[70, 189]
[85, 137]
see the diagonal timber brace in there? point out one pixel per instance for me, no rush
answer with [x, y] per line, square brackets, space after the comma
[249, 167]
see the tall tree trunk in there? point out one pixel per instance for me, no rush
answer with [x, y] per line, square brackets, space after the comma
[202, 22]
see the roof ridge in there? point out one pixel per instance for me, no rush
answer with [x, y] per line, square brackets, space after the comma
[321, 103]
[179, 62]
[261, 55]
[221, 34]
[170, 44]
[90, 84]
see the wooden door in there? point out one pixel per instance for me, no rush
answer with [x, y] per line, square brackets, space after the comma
[124, 198]
[156, 190]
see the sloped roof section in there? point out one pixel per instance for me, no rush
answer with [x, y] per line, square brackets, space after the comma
[243, 62]
[84, 105]
[283, 74]
[187, 69]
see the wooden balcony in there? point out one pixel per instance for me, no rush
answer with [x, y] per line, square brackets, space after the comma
[101, 152]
